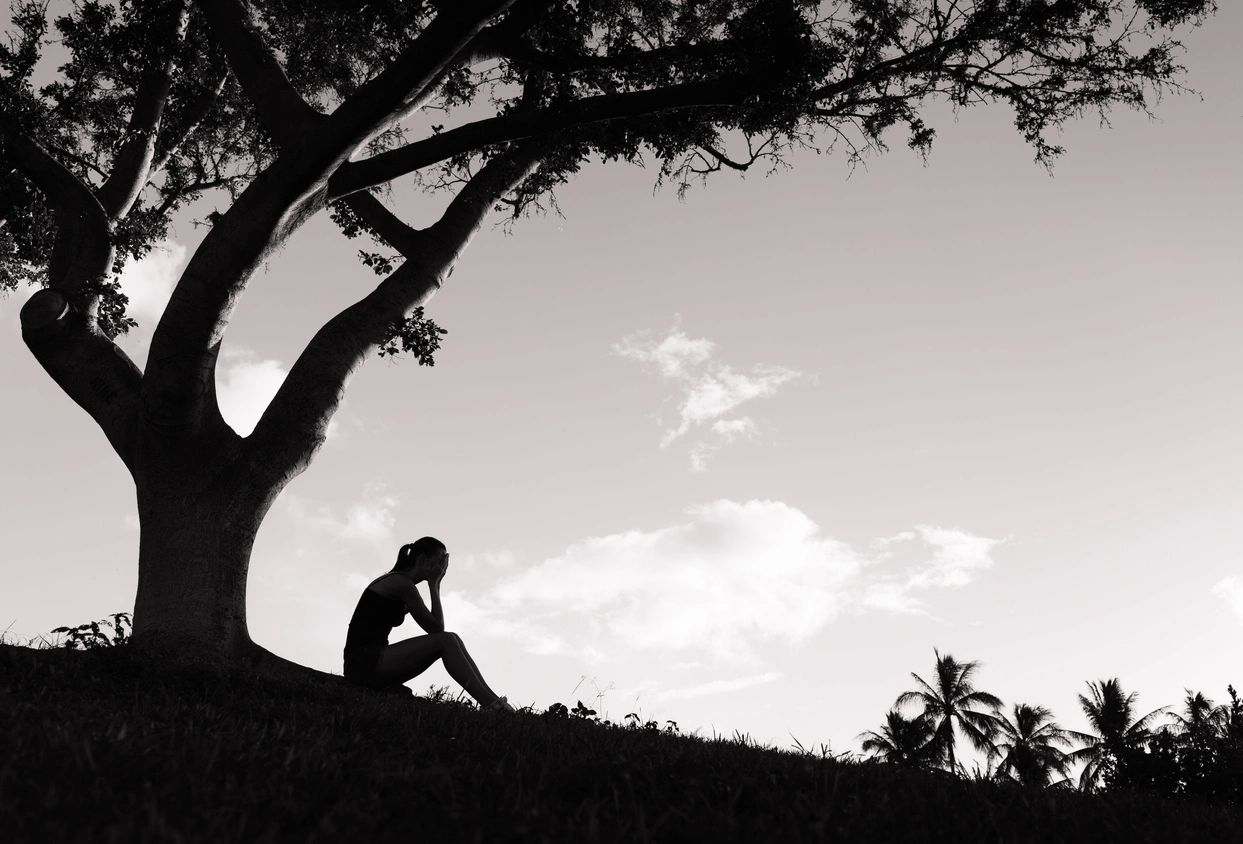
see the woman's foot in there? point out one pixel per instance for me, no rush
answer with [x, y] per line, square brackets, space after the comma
[500, 705]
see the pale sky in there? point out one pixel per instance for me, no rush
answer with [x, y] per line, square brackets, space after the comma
[742, 461]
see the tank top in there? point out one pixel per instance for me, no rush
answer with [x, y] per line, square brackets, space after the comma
[373, 618]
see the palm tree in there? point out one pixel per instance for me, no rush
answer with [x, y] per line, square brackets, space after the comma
[1028, 747]
[948, 703]
[1111, 714]
[1201, 719]
[901, 740]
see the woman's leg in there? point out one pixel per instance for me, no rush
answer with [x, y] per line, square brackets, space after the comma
[409, 658]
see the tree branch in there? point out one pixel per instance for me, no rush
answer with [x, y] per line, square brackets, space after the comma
[410, 79]
[283, 111]
[294, 425]
[518, 125]
[881, 70]
[58, 322]
[82, 251]
[89, 367]
[132, 163]
[198, 109]
[496, 41]
[385, 224]
[180, 377]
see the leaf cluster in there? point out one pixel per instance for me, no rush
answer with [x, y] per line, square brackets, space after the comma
[415, 334]
[94, 634]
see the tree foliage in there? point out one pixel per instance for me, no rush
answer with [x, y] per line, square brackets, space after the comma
[1116, 731]
[1030, 746]
[951, 703]
[901, 741]
[1200, 754]
[695, 87]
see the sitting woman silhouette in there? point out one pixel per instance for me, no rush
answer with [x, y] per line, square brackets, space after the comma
[371, 661]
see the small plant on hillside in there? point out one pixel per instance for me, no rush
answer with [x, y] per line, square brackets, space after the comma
[633, 723]
[92, 635]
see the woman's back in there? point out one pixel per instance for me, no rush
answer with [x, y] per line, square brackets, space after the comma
[376, 614]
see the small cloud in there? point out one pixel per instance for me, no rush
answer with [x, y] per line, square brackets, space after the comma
[732, 429]
[726, 431]
[891, 597]
[672, 355]
[246, 387]
[531, 637]
[370, 520]
[958, 556]
[500, 559]
[1230, 589]
[709, 391]
[714, 394]
[149, 281]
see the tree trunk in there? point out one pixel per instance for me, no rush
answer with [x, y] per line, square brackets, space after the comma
[198, 517]
[192, 567]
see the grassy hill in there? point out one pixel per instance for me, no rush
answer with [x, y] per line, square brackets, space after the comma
[95, 747]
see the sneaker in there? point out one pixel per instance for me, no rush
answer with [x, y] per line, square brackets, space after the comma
[500, 705]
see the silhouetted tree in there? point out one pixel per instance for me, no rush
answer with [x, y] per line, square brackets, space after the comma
[901, 740]
[1029, 747]
[1200, 753]
[295, 108]
[949, 703]
[1111, 715]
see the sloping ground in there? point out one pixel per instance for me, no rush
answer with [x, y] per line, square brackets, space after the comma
[96, 747]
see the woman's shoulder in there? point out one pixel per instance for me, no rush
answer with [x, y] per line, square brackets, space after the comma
[389, 585]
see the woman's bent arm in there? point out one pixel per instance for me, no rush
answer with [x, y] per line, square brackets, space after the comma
[431, 622]
[437, 613]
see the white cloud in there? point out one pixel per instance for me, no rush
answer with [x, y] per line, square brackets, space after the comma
[891, 597]
[527, 634]
[726, 431]
[958, 556]
[149, 281]
[245, 386]
[719, 583]
[732, 429]
[711, 395]
[370, 520]
[502, 559]
[671, 355]
[708, 390]
[1230, 589]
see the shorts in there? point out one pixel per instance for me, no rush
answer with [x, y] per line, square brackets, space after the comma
[360, 665]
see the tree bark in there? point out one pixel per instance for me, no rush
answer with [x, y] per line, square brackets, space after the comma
[200, 504]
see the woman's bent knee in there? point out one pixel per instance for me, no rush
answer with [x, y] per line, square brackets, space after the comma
[446, 639]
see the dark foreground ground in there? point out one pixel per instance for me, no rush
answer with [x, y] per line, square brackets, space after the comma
[93, 747]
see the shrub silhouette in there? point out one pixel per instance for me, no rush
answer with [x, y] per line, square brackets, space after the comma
[92, 635]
